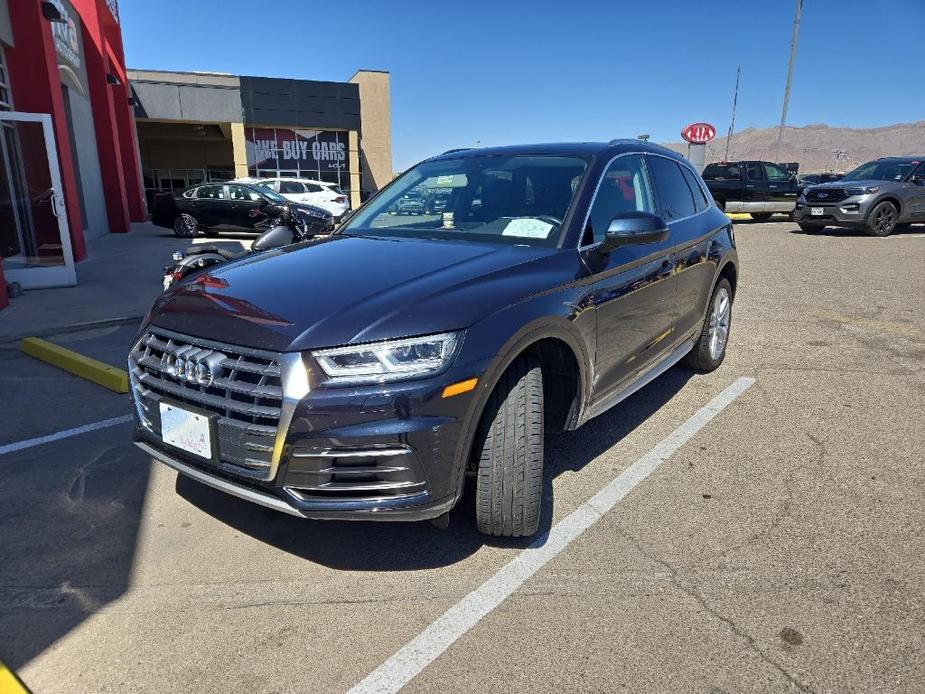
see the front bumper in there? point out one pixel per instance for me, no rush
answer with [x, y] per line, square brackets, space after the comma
[849, 212]
[395, 451]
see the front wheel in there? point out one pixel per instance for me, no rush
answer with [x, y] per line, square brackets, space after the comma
[882, 219]
[509, 445]
[710, 349]
[761, 216]
[185, 226]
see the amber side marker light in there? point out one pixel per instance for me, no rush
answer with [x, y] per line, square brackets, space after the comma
[461, 387]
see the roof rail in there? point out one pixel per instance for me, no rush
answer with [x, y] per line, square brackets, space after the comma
[457, 149]
[624, 141]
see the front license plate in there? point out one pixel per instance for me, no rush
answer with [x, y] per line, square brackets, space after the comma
[186, 430]
[816, 211]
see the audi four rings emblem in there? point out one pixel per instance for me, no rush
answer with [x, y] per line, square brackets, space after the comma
[194, 364]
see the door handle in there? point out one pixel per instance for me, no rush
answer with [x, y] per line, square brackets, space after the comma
[749, 186]
[54, 203]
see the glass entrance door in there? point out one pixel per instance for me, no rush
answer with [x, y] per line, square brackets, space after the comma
[34, 241]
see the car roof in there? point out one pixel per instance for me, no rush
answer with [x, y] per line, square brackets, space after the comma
[300, 180]
[579, 149]
[902, 159]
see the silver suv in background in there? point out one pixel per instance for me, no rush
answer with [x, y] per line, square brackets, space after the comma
[880, 197]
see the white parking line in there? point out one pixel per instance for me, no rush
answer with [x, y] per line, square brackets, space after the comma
[427, 646]
[67, 433]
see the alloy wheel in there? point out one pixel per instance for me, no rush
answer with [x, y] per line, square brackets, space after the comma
[719, 323]
[885, 219]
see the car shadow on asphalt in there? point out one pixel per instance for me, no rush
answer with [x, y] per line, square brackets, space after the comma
[384, 546]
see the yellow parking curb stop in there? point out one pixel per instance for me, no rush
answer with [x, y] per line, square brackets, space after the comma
[10, 683]
[96, 371]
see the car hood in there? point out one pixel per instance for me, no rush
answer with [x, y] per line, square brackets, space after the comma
[342, 289]
[848, 184]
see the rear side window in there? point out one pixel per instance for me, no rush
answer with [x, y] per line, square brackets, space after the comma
[722, 172]
[624, 188]
[755, 171]
[211, 192]
[313, 188]
[672, 193]
[700, 200]
[291, 187]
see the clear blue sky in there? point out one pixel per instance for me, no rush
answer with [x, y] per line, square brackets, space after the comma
[536, 71]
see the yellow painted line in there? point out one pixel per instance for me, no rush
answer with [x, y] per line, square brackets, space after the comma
[738, 215]
[461, 387]
[10, 683]
[96, 371]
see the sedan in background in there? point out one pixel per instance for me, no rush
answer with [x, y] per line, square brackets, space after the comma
[231, 206]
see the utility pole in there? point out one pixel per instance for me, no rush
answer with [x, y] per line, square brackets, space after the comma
[793, 55]
[839, 153]
[732, 123]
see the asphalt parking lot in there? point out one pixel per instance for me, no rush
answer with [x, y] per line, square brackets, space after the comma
[779, 549]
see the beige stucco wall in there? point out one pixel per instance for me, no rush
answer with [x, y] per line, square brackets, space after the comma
[375, 128]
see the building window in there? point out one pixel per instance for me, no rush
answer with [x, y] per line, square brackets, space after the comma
[319, 155]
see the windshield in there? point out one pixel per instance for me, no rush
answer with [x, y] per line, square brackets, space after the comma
[517, 199]
[881, 171]
[268, 192]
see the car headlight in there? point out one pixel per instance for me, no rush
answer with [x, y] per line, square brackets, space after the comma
[864, 190]
[312, 213]
[391, 360]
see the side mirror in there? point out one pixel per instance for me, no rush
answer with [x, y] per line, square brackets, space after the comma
[632, 228]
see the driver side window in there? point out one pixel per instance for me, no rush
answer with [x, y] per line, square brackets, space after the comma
[624, 187]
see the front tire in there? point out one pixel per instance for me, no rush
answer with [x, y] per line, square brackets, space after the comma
[185, 226]
[761, 216]
[710, 349]
[882, 219]
[509, 485]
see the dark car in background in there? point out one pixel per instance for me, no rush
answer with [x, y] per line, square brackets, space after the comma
[371, 374]
[759, 188]
[231, 206]
[880, 197]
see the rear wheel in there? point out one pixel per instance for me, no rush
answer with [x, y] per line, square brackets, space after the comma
[811, 228]
[761, 216]
[710, 349]
[509, 486]
[882, 219]
[185, 226]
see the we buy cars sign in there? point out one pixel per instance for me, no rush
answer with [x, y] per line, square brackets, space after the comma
[698, 133]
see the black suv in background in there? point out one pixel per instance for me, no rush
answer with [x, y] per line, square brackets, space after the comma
[369, 374]
[759, 188]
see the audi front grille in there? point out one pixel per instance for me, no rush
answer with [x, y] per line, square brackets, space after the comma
[243, 386]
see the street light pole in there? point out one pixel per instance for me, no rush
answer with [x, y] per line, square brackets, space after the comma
[793, 55]
[732, 123]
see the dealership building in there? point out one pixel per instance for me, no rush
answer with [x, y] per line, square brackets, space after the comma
[86, 143]
[69, 166]
[195, 127]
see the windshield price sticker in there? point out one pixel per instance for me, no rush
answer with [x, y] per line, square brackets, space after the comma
[528, 228]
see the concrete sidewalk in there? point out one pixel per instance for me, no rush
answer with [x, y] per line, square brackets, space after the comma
[120, 279]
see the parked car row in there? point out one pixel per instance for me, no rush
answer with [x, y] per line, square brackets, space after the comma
[213, 207]
[879, 196]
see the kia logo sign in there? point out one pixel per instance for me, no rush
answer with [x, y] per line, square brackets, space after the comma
[698, 133]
